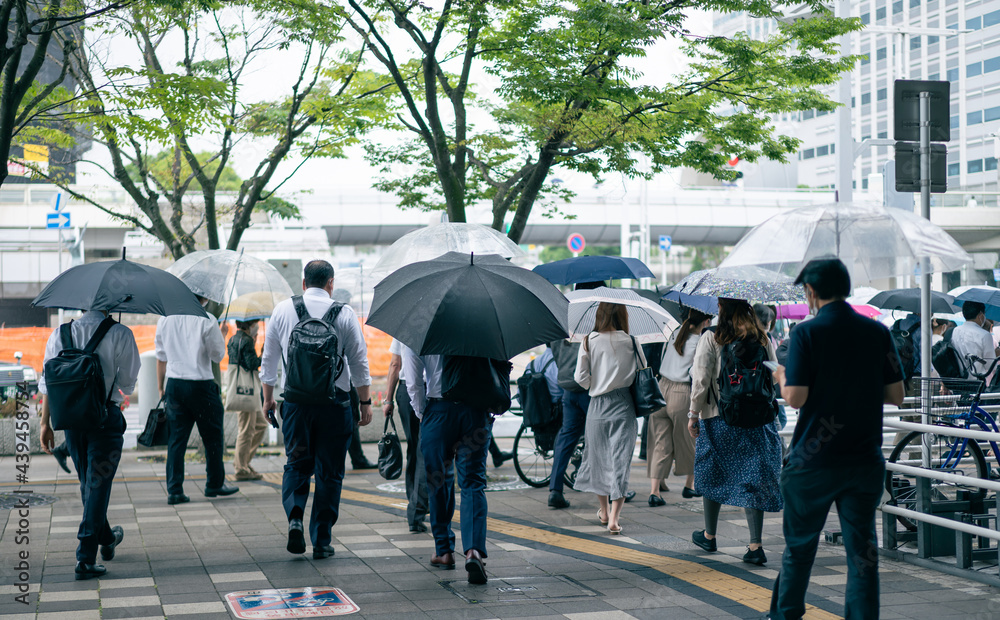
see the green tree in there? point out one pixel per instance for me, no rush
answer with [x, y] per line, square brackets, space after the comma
[570, 95]
[149, 115]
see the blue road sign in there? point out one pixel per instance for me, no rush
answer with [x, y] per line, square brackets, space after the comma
[58, 202]
[665, 242]
[59, 219]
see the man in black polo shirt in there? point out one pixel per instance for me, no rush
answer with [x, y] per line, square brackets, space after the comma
[841, 368]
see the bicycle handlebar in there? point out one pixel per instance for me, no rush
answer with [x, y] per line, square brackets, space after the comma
[975, 359]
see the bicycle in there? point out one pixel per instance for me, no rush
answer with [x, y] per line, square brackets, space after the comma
[533, 452]
[957, 405]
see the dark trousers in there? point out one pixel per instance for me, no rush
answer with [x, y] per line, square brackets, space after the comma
[416, 474]
[455, 436]
[316, 438]
[808, 495]
[189, 403]
[95, 455]
[574, 411]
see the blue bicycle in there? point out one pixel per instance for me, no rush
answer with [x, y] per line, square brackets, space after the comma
[956, 405]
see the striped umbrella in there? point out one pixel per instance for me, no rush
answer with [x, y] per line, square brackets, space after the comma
[647, 320]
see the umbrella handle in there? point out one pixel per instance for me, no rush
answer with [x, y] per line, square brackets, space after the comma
[233, 289]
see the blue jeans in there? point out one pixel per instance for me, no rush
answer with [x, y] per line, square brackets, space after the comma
[808, 495]
[190, 403]
[95, 455]
[316, 440]
[455, 436]
[574, 411]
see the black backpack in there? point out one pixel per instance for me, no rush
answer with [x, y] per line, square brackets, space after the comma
[746, 389]
[314, 361]
[479, 382]
[536, 400]
[947, 361]
[907, 351]
[75, 382]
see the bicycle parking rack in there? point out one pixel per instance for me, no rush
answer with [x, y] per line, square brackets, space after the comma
[963, 528]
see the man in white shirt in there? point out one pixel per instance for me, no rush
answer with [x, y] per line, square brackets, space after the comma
[96, 452]
[316, 431]
[970, 338]
[416, 474]
[452, 436]
[186, 348]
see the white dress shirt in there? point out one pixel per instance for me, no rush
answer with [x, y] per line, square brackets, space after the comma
[189, 345]
[350, 340]
[117, 351]
[971, 339]
[427, 371]
[396, 348]
[607, 362]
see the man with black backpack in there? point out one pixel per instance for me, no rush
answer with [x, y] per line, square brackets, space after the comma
[320, 347]
[95, 356]
[841, 368]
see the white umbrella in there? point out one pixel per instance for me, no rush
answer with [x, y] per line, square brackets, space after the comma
[647, 320]
[873, 241]
[225, 275]
[429, 243]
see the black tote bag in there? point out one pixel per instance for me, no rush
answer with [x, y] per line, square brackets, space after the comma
[645, 390]
[155, 433]
[390, 452]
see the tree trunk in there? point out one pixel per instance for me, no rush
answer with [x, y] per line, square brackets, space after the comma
[530, 194]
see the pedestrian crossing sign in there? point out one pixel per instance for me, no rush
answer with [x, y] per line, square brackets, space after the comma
[290, 603]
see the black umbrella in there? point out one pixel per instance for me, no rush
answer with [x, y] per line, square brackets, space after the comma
[908, 300]
[458, 304]
[119, 286]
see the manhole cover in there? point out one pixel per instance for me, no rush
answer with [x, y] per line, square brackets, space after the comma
[520, 589]
[493, 483]
[17, 500]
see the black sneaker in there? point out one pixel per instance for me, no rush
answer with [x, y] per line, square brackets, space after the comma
[699, 538]
[296, 539]
[755, 556]
[556, 500]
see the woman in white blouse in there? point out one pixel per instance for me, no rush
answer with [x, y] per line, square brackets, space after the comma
[606, 367]
[670, 444]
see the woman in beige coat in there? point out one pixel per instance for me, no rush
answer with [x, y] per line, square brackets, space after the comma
[734, 466]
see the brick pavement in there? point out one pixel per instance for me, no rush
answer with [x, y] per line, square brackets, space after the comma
[181, 561]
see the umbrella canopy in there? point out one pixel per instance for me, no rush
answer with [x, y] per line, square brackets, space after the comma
[429, 243]
[119, 286]
[647, 321]
[983, 294]
[253, 306]
[873, 241]
[754, 284]
[460, 304]
[593, 269]
[908, 300]
[223, 275]
[702, 303]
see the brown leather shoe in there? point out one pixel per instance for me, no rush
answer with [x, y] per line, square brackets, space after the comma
[445, 562]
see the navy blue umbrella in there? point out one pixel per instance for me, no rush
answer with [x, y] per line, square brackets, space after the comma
[592, 269]
[703, 303]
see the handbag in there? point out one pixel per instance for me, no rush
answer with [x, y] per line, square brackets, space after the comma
[390, 452]
[645, 390]
[155, 433]
[242, 388]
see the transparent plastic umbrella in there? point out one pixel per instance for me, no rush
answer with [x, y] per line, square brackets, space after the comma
[873, 241]
[224, 275]
[438, 239]
[254, 306]
[647, 320]
[751, 284]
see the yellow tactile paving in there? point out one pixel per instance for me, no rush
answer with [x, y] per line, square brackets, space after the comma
[727, 586]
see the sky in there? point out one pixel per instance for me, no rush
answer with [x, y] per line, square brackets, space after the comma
[352, 175]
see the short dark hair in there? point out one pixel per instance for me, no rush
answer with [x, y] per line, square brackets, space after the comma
[586, 286]
[245, 325]
[971, 309]
[827, 276]
[317, 273]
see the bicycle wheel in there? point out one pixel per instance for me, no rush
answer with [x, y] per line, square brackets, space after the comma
[569, 478]
[903, 488]
[532, 463]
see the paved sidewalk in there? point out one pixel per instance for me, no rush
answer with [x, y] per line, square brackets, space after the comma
[181, 561]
